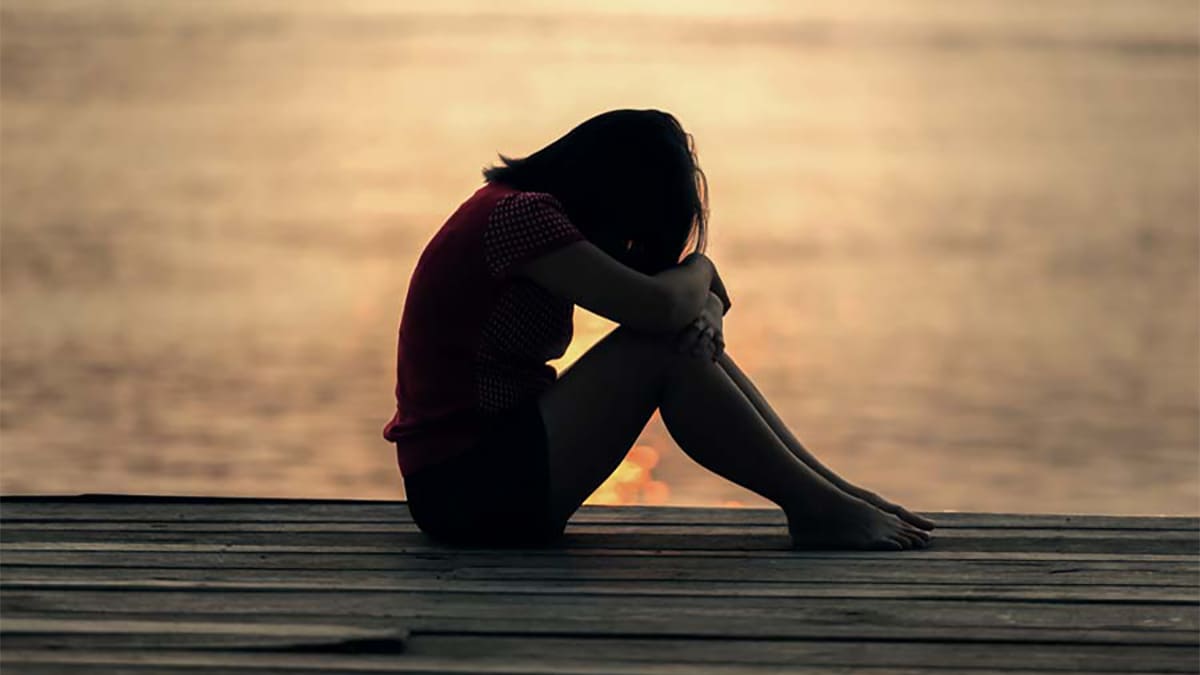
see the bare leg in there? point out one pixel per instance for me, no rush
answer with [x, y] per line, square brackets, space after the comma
[595, 411]
[789, 439]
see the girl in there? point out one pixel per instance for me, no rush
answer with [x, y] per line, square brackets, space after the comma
[494, 448]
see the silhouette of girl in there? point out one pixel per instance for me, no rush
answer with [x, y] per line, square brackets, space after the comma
[494, 448]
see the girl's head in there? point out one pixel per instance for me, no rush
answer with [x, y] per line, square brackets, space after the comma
[628, 179]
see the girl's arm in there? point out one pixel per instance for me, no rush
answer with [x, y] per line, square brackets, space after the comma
[589, 277]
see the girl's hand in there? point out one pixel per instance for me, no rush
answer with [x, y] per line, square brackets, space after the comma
[700, 339]
[704, 336]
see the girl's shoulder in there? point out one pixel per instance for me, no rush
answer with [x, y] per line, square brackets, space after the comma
[522, 201]
[522, 225]
[505, 225]
[498, 203]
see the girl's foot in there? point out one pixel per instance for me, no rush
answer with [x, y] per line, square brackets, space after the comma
[853, 524]
[889, 507]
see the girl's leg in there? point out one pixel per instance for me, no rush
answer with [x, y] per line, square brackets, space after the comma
[789, 439]
[595, 411]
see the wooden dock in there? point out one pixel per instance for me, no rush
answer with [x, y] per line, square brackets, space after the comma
[175, 585]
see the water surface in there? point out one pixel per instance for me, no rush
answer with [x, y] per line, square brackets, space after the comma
[961, 239]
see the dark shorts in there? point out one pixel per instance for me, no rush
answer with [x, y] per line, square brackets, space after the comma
[495, 494]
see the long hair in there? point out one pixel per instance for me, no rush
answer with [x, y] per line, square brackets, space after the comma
[628, 179]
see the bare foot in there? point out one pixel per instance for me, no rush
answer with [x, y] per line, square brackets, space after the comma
[853, 524]
[888, 507]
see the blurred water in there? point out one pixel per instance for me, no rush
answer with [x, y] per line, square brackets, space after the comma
[961, 239]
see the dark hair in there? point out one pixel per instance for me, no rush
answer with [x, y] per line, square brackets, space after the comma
[628, 179]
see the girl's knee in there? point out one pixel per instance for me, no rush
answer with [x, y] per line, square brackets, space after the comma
[658, 343]
[654, 352]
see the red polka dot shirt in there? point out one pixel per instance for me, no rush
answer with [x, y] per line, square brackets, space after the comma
[474, 339]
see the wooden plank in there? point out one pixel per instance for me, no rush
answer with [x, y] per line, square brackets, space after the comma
[134, 508]
[786, 653]
[319, 533]
[110, 662]
[842, 617]
[585, 528]
[647, 625]
[1131, 542]
[720, 537]
[1140, 595]
[1126, 659]
[514, 567]
[442, 666]
[44, 633]
[113, 661]
[630, 655]
[358, 557]
[584, 521]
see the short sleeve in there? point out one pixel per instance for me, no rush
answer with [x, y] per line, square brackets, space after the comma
[524, 226]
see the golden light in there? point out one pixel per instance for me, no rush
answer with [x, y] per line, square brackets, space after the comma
[632, 482]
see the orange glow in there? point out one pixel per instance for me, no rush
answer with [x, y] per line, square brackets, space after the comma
[644, 456]
[632, 482]
[655, 492]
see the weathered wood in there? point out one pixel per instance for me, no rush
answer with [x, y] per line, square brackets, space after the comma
[120, 529]
[1132, 542]
[100, 508]
[632, 655]
[136, 555]
[194, 663]
[424, 665]
[23, 633]
[132, 584]
[514, 567]
[861, 617]
[204, 663]
[320, 535]
[783, 653]
[109, 664]
[1146, 595]
[129, 518]
[644, 625]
